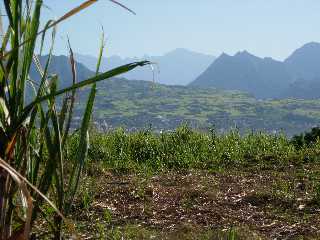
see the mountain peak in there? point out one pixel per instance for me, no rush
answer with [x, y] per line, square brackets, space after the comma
[224, 55]
[245, 55]
[184, 52]
[177, 67]
[303, 63]
[308, 50]
[264, 78]
[311, 45]
[180, 50]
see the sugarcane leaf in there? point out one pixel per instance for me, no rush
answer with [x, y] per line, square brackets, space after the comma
[107, 75]
[83, 150]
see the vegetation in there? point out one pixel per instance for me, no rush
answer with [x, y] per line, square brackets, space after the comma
[33, 134]
[186, 184]
[145, 184]
[136, 104]
[186, 149]
[307, 139]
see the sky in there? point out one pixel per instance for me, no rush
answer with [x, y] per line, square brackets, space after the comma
[272, 28]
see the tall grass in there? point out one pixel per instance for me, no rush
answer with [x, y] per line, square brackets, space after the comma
[33, 135]
[185, 148]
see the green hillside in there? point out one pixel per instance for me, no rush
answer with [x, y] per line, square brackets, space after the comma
[137, 104]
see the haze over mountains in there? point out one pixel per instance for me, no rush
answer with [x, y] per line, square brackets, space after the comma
[207, 100]
[178, 67]
[297, 77]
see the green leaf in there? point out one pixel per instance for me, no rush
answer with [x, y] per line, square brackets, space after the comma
[109, 74]
[83, 150]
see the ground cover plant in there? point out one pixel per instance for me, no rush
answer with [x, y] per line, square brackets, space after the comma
[33, 133]
[186, 184]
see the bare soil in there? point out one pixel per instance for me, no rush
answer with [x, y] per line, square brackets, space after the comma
[259, 205]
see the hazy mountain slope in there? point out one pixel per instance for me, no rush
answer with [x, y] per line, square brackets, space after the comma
[302, 89]
[262, 77]
[60, 65]
[178, 67]
[136, 104]
[304, 63]
[304, 67]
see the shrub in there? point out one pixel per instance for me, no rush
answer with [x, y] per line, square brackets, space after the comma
[308, 138]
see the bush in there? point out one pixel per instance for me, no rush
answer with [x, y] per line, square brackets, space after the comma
[308, 138]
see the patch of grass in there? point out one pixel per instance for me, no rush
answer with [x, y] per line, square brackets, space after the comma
[185, 148]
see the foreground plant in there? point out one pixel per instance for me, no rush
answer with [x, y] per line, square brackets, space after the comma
[33, 134]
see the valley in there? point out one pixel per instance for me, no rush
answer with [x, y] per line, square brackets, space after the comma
[241, 91]
[136, 105]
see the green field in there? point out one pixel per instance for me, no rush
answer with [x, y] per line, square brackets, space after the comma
[137, 104]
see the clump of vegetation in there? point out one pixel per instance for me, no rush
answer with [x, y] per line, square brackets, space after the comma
[34, 133]
[186, 148]
[307, 139]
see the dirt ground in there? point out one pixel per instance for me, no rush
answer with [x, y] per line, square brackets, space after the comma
[266, 205]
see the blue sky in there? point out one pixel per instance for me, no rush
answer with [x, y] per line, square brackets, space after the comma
[263, 27]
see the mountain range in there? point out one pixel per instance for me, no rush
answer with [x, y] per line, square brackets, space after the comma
[298, 76]
[178, 67]
[209, 99]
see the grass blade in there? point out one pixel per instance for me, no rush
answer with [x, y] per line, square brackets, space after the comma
[83, 150]
[72, 97]
[109, 74]
[18, 177]
[123, 6]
